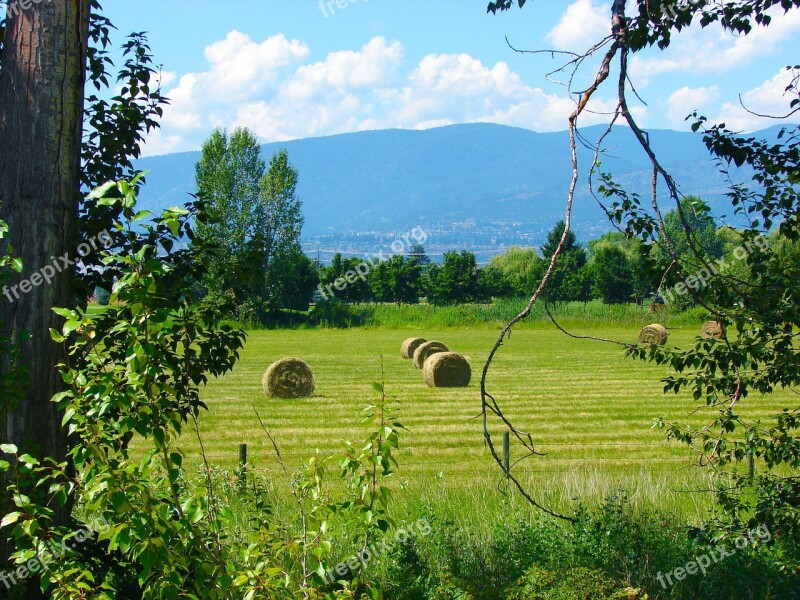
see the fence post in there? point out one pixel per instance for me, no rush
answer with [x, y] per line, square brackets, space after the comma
[506, 452]
[242, 465]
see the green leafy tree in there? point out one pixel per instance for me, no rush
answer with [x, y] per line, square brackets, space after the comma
[296, 280]
[328, 276]
[417, 253]
[520, 270]
[348, 280]
[489, 284]
[227, 176]
[396, 280]
[583, 282]
[692, 233]
[103, 296]
[693, 245]
[255, 221]
[455, 281]
[613, 276]
[277, 223]
[644, 280]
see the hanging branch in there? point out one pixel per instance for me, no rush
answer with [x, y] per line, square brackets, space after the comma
[488, 402]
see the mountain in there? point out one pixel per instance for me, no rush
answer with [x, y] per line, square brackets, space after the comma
[466, 181]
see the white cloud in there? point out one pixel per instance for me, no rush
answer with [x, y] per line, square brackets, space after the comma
[706, 51]
[769, 98]
[267, 88]
[683, 101]
[239, 68]
[583, 24]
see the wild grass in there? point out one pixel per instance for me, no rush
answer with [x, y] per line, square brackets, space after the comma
[484, 316]
[498, 313]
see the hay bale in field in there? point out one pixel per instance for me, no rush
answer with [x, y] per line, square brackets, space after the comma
[654, 334]
[712, 330]
[288, 378]
[425, 350]
[446, 369]
[411, 344]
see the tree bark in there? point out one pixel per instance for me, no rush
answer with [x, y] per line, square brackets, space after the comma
[41, 114]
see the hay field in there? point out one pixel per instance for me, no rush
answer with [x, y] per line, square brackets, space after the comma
[588, 407]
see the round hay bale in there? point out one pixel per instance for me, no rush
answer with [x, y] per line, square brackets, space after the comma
[423, 351]
[411, 344]
[446, 369]
[654, 334]
[288, 378]
[712, 330]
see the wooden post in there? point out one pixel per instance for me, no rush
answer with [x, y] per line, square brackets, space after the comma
[506, 452]
[751, 466]
[242, 465]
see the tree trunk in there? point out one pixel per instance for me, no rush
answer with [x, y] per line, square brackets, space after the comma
[41, 113]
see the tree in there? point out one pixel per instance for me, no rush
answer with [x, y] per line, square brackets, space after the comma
[645, 279]
[396, 280]
[566, 281]
[255, 220]
[296, 278]
[277, 224]
[41, 113]
[456, 281]
[417, 253]
[228, 176]
[519, 268]
[613, 276]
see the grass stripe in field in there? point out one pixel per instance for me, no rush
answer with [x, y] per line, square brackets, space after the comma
[586, 405]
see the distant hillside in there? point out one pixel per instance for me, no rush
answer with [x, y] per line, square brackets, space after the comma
[490, 176]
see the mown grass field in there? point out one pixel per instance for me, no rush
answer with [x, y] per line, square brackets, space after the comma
[588, 407]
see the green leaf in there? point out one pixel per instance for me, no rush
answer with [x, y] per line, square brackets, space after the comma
[28, 460]
[9, 448]
[138, 177]
[10, 518]
[101, 191]
[70, 326]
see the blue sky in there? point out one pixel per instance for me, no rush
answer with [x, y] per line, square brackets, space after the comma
[293, 69]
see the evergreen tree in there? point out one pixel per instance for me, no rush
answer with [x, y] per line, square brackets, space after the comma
[566, 282]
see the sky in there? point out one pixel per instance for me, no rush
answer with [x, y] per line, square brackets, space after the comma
[304, 68]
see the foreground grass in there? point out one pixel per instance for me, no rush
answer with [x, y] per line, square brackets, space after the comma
[588, 408]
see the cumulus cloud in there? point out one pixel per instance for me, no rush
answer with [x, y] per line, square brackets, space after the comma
[269, 88]
[239, 68]
[706, 51]
[769, 98]
[582, 24]
[683, 101]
